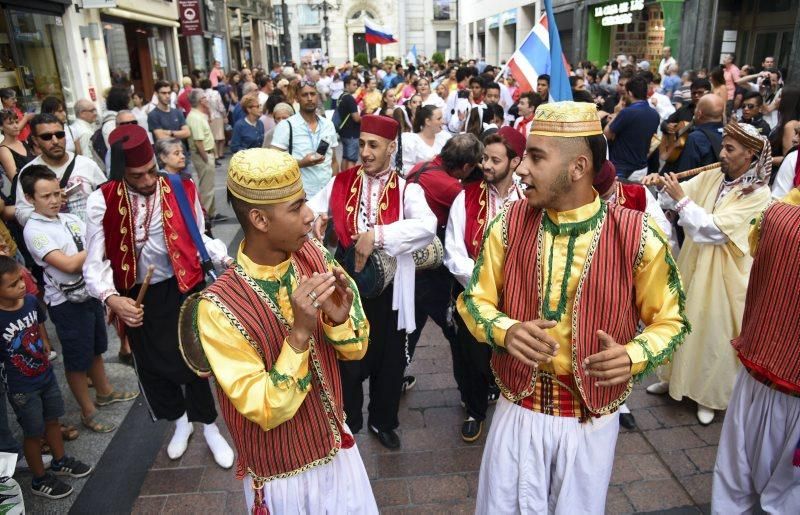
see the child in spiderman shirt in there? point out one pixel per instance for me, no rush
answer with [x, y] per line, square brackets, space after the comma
[31, 384]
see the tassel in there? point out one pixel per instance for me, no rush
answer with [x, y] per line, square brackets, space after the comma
[259, 503]
[347, 440]
[796, 459]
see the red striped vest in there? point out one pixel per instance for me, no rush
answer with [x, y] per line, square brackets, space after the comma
[605, 299]
[769, 342]
[313, 436]
[632, 196]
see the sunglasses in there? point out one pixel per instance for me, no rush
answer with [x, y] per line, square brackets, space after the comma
[132, 122]
[47, 136]
[304, 83]
[749, 106]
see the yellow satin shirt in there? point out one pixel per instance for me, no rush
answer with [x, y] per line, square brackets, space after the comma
[792, 198]
[657, 284]
[271, 393]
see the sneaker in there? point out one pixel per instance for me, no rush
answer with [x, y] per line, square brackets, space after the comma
[659, 388]
[70, 467]
[471, 429]
[22, 464]
[51, 487]
[408, 383]
[493, 395]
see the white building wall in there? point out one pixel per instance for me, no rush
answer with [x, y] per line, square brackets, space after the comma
[498, 43]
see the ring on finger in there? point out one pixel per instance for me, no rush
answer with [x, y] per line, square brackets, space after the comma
[315, 304]
[313, 295]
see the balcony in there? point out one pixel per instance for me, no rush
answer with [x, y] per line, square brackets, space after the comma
[444, 10]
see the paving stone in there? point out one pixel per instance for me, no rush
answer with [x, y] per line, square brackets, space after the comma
[641, 399]
[710, 433]
[406, 464]
[616, 501]
[673, 438]
[196, 503]
[467, 459]
[452, 397]
[645, 419]
[703, 457]
[217, 479]
[236, 503]
[423, 366]
[625, 470]
[649, 466]
[410, 418]
[439, 488]
[699, 487]
[172, 481]
[390, 492]
[371, 465]
[472, 482]
[438, 381]
[632, 443]
[422, 399]
[679, 463]
[670, 416]
[657, 494]
[425, 439]
[446, 417]
[148, 505]
[441, 352]
[163, 461]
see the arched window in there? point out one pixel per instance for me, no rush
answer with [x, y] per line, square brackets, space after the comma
[362, 13]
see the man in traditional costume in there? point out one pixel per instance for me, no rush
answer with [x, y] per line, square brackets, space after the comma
[715, 209]
[472, 211]
[759, 448]
[273, 328]
[631, 195]
[564, 330]
[134, 222]
[376, 215]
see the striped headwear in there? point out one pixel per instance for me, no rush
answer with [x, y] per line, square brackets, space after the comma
[749, 136]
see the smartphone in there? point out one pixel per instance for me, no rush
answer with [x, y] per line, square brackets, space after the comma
[323, 147]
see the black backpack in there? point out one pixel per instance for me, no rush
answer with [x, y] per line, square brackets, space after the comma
[98, 142]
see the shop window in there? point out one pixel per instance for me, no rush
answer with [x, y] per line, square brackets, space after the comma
[33, 57]
[442, 40]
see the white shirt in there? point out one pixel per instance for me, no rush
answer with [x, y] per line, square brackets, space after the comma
[415, 228]
[415, 150]
[151, 251]
[83, 131]
[784, 181]
[521, 122]
[44, 235]
[262, 99]
[663, 65]
[86, 177]
[661, 103]
[435, 100]
[456, 257]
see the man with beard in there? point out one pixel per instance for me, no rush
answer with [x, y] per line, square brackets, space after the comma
[82, 174]
[377, 216]
[715, 208]
[564, 330]
[273, 329]
[472, 210]
[135, 223]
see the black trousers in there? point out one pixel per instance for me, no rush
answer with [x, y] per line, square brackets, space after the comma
[471, 367]
[432, 298]
[383, 365]
[168, 385]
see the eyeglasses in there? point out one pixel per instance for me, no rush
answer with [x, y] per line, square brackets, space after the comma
[132, 122]
[304, 83]
[750, 106]
[47, 136]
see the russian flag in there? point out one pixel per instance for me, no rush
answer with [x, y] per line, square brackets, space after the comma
[540, 54]
[377, 35]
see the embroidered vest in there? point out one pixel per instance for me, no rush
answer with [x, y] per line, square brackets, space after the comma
[476, 208]
[605, 298]
[314, 435]
[769, 344]
[346, 203]
[632, 196]
[119, 234]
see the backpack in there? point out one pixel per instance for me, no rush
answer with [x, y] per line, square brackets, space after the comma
[99, 146]
[336, 119]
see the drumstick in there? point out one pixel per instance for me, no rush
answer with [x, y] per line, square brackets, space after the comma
[659, 181]
[145, 285]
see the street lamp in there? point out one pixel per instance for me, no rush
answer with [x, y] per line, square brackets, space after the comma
[326, 6]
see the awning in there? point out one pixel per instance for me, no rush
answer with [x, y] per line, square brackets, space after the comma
[144, 18]
[56, 7]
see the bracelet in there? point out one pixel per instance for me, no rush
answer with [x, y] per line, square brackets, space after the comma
[682, 203]
[379, 236]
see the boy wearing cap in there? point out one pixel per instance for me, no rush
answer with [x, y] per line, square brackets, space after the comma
[135, 222]
[372, 209]
[560, 284]
[274, 328]
[473, 209]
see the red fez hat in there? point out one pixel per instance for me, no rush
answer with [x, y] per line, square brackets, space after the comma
[382, 126]
[135, 144]
[514, 139]
[605, 177]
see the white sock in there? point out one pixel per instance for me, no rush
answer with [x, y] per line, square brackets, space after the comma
[180, 439]
[624, 409]
[223, 454]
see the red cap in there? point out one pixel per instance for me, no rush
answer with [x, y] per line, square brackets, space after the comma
[514, 139]
[605, 177]
[382, 126]
[135, 144]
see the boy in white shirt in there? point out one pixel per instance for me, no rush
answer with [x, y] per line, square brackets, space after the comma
[56, 242]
